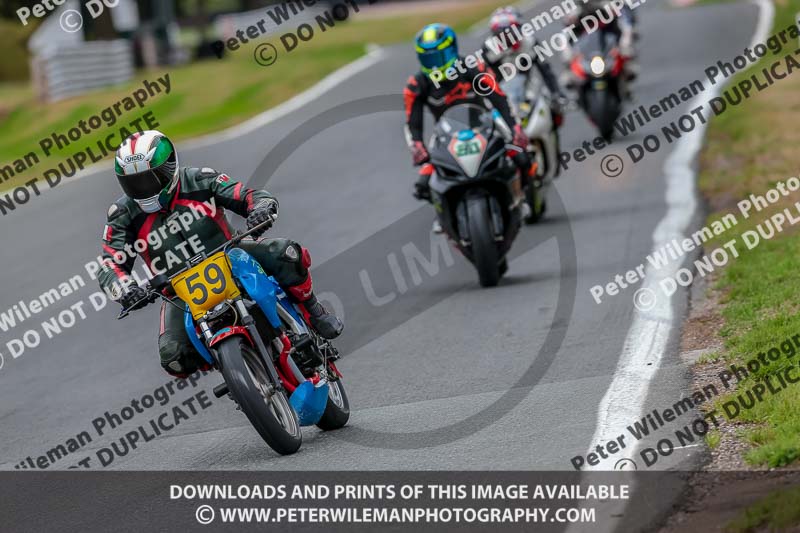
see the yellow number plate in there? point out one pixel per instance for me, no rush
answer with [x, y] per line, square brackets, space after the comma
[207, 285]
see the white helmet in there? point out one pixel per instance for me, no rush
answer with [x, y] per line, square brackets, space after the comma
[146, 166]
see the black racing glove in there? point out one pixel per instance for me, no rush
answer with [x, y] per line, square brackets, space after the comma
[422, 188]
[263, 211]
[136, 297]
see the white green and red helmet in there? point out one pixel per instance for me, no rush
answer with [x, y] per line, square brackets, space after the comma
[146, 166]
[503, 19]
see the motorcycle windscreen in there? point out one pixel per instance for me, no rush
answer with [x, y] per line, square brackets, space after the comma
[515, 90]
[596, 44]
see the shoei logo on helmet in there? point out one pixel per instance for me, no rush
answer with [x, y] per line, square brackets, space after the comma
[134, 158]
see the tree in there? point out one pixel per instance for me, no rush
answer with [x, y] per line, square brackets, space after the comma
[8, 8]
[100, 28]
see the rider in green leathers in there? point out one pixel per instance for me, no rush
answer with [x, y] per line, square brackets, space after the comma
[144, 222]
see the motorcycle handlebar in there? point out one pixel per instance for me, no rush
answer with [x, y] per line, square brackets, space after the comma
[161, 281]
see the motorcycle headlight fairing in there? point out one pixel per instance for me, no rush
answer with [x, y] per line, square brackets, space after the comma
[597, 66]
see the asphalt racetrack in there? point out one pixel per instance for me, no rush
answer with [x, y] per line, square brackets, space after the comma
[442, 375]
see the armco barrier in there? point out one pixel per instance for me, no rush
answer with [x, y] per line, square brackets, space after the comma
[62, 72]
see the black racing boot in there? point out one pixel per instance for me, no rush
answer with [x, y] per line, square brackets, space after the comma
[327, 324]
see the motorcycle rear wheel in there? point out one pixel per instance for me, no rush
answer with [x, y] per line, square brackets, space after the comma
[271, 415]
[337, 411]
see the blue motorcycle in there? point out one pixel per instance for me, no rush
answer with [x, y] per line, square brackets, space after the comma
[281, 374]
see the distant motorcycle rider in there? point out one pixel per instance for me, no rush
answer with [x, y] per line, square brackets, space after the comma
[623, 26]
[504, 46]
[437, 51]
[157, 191]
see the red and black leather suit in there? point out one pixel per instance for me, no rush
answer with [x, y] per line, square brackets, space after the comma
[422, 92]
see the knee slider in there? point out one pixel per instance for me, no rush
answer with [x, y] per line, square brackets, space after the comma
[176, 359]
[298, 255]
[176, 368]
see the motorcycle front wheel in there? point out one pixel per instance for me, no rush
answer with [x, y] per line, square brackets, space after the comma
[484, 250]
[603, 108]
[247, 379]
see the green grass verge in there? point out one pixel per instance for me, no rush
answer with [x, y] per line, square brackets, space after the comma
[749, 149]
[713, 439]
[211, 95]
[777, 512]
